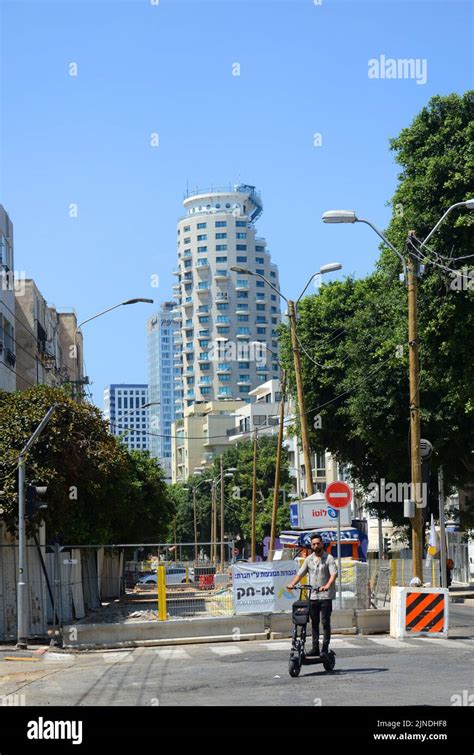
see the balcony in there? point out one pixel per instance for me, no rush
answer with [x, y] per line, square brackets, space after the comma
[222, 296]
[243, 382]
[221, 275]
[223, 371]
[243, 335]
[176, 287]
[176, 272]
[201, 265]
[240, 311]
[242, 287]
[188, 302]
[177, 355]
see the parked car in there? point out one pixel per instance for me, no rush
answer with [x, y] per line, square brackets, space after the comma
[175, 575]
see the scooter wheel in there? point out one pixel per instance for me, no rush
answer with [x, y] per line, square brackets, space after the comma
[330, 662]
[294, 667]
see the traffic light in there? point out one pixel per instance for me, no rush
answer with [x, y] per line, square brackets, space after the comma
[35, 501]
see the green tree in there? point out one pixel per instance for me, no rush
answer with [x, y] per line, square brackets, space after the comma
[354, 377]
[97, 491]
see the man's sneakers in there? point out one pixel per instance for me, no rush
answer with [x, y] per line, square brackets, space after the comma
[314, 650]
[325, 651]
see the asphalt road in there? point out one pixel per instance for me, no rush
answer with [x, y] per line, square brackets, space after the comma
[375, 670]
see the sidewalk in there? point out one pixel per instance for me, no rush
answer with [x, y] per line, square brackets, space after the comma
[458, 592]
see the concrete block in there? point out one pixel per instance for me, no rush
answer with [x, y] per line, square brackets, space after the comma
[133, 634]
[372, 620]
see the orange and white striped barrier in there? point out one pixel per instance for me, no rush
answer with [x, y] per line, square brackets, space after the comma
[419, 611]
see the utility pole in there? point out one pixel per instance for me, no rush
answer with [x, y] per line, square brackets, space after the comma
[276, 490]
[22, 610]
[195, 528]
[301, 401]
[222, 513]
[254, 496]
[213, 505]
[415, 434]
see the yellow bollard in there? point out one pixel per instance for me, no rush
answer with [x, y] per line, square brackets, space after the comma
[393, 573]
[161, 577]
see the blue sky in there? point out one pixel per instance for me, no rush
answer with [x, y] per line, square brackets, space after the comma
[167, 69]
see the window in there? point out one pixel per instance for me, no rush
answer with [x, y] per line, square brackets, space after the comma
[221, 235]
[202, 262]
[202, 249]
[224, 378]
[273, 297]
[225, 392]
[223, 318]
[222, 330]
[202, 237]
[242, 283]
[260, 271]
[259, 297]
[205, 391]
[260, 284]
[244, 378]
[273, 274]
[242, 295]
[260, 318]
[241, 223]
[260, 307]
[188, 263]
[261, 331]
[223, 366]
[203, 308]
[244, 365]
[205, 367]
[186, 228]
[203, 285]
[188, 240]
[244, 389]
[259, 248]
[241, 247]
[222, 306]
[201, 225]
[242, 318]
[243, 306]
[221, 223]
[221, 260]
[243, 331]
[241, 258]
[241, 235]
[221, 247]
[188, 286]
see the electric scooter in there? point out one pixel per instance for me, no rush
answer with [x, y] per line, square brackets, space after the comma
[298, 656]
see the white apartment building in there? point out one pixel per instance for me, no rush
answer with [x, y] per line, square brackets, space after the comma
[126, 410]
[7, 305]
[225, 319]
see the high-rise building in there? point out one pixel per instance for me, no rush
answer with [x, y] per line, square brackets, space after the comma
[161, 383]
[225, 319]
[7, 305]
[128, 417]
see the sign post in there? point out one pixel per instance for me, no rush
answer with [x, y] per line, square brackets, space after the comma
[338, 495]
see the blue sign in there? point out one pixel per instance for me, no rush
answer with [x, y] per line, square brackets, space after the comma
[293, 514]
[332, 513]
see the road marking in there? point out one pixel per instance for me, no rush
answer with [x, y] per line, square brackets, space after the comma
[391, 642]
[58, 657]
[340, 643]
[226, 650]
[118, 657]
[276, 645]
[174, 654]
[466, 645]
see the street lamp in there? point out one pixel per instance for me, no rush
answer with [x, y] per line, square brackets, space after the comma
[104, 312]
[297, 361]
[349, 216]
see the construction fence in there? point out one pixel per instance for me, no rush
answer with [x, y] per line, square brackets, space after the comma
[70, 584]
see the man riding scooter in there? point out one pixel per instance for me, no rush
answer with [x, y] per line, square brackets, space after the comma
[322, 570]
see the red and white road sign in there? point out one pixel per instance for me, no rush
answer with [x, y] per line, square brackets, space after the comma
[338, 494]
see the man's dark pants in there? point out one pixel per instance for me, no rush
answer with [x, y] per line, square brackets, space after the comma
[321, 609]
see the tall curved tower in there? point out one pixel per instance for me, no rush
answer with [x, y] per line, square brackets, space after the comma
[223, 315]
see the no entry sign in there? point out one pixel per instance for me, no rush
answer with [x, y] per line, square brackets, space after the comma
[338, 494]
